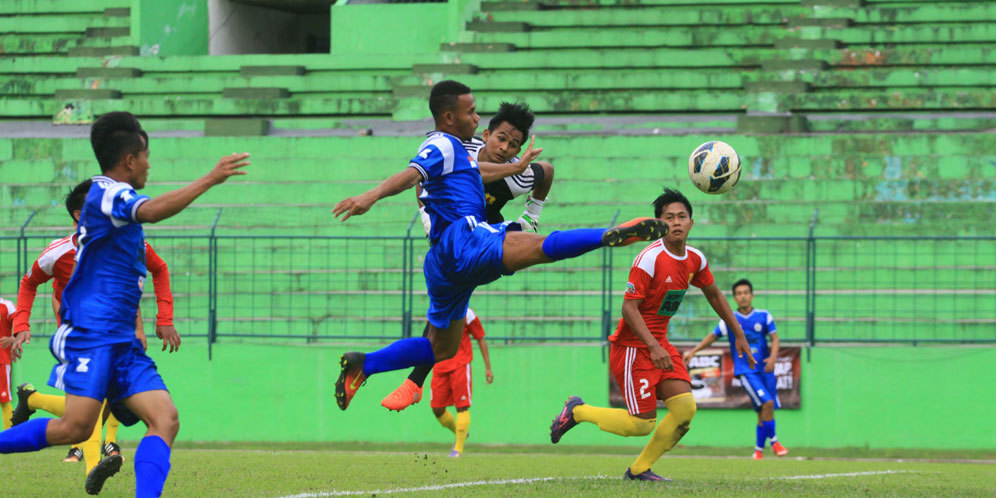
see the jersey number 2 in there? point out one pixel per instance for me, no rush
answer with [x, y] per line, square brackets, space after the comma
[644, 384]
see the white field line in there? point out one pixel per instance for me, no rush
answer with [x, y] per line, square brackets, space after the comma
[439, 487]
[846, 474]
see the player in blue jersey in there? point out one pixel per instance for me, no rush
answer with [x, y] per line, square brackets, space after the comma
[98, 353]
[466, 251]
[759, 382]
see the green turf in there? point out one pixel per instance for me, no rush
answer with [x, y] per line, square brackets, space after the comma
[249, 469]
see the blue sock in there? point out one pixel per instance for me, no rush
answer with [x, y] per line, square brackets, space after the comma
[769, 430]
[29, 436]
[762, 435]
[572, 243]
[151, 466]
[399, 354]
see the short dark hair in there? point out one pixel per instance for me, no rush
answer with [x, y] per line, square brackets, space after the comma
[742, 281]
[115, 135]
[444, 96]
[516, 114]
[77, 196]
[670, 195]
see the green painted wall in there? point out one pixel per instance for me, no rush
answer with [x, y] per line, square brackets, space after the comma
[417, 28]
[881, 397]
[170, 27]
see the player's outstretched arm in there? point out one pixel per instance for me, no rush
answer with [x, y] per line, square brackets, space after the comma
[704, 343]
[173, 202]
[397, 183]
[773, 357]
[722, 308]
[491, 171]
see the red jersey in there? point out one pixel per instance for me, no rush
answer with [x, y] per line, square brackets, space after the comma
[660, 279]
[57, 262]
[466, 352]
[6, 320]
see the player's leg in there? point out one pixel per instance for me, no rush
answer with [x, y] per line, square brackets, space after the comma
[111, 446]
[445, 343]
[29, 400]
[152, 458]
[73, 427]
[760, 438]
[91, 447]
[640, 415]
[768, 414]
[522, 250]
[676, 391]
[6, 408]
[462, 386]
[763, 400]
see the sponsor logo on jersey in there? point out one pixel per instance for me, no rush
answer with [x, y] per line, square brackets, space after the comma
[82, 367]
[630, 288]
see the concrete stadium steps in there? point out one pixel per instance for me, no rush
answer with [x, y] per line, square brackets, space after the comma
[70, 23]
[53, 7]
[912, 12]
[55, 44]
[634, 37]
[658, 15]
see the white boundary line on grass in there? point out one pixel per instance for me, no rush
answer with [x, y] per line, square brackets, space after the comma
[438, 487]
[846, 474]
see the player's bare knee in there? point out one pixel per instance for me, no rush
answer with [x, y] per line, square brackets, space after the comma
[438, 412]
[165, 422]
[547, 172]
[69, 431]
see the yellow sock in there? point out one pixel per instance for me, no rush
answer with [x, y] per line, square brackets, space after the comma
[446, 420]
[112, 429]
[8, 411]
[462, 426]
[56, 405]
[91, 447]
[614, 420]
[680, 410]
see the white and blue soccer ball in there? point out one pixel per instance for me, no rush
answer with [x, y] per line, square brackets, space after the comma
[714, 167]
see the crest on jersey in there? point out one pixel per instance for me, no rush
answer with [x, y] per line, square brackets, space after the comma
[630, 288]
[757, 327]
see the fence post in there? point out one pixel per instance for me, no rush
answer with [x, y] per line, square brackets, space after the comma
[22, 248]
[811, 285]
[606, 284]
[407, 267]
[213, 285]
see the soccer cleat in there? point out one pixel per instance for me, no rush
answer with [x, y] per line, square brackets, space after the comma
[634, 231]
[75, 455]
[454, 453]
[779, 449]
[112, 449]
[405, 395]
[23, 412]
[350, 378]
[106, 468]
[758, 455]
[565, 421]
[646, 475]
[528, 223]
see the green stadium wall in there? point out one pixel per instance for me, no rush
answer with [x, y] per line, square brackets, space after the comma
[877, 397]
[170, 27]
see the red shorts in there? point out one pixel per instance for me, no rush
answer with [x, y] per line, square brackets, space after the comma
[5, 394]
[638, 377]
[451, 388]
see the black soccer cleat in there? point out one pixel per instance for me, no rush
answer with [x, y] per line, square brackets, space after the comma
[105, 469]
[111, 449]
[23, 412]
[75, 455]
[565, 421]
[635, 230]
[646, 475]
[350, 378]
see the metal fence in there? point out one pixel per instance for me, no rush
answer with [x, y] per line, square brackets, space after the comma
[314, 288]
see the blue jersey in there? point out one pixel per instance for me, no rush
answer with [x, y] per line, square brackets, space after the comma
[452, 189]
[102, 295]
[756, 326]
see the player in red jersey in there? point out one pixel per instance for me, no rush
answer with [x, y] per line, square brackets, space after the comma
[646, 366]
[6, 321]
[452, 383]
[56, 263]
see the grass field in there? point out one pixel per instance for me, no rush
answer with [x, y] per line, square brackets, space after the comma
[322, 469]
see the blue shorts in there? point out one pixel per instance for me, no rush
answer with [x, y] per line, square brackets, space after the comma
[90, 365]
[761, 387]
[467, 254]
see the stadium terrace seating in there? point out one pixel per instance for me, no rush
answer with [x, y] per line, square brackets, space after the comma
[59, 28]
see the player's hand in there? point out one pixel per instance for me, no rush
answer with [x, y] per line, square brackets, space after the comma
[530, 154]
[170, 337]
[769, 364]
[687, 357]
[661, 358]
[743, 351]
[15, 345]
[353, 206]
[488, 376]
[228, 166]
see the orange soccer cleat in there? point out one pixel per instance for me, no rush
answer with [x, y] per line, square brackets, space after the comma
[405, 395]
[779, 449]
[350, 378]
[636, 230]
[758, 455]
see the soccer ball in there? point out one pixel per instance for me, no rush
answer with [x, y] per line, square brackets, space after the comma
[714, 167]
